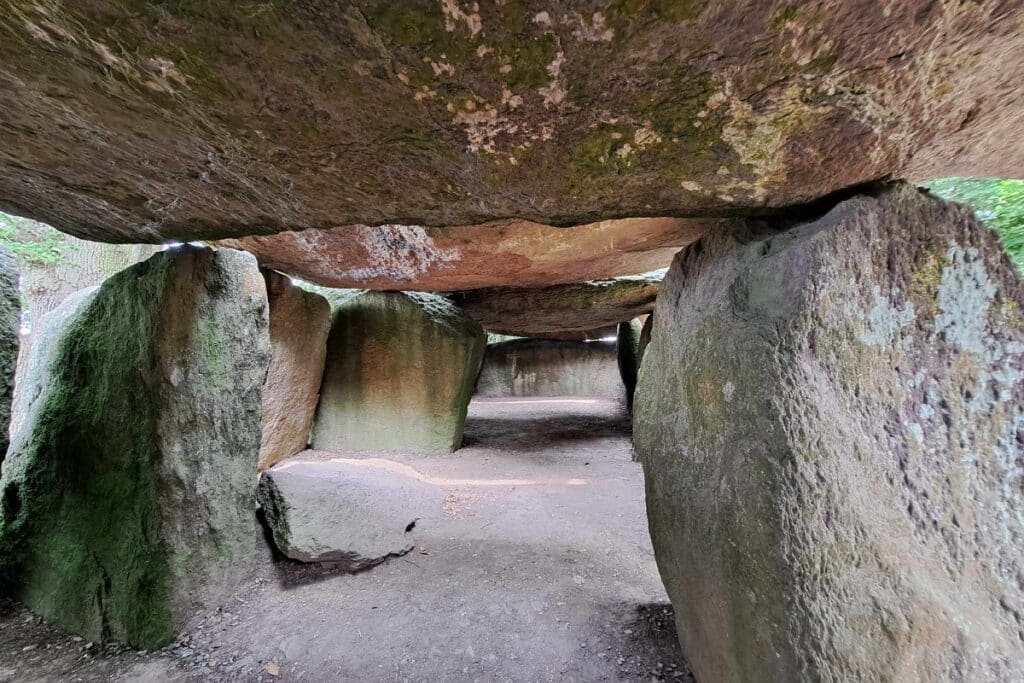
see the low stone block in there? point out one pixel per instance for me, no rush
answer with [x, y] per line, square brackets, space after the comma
[126, 503]
[831, 422]
[351, 513]
[399, 374]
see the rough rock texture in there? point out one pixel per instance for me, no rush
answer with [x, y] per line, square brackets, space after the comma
[10, 326]
[831, 422]
[544, 367]
[627, 349]
[505, 253]
[645, 338]
[126, 501]
[560, 309]
[353, 513]
[299, 322]
[149, 120]
[399, 374]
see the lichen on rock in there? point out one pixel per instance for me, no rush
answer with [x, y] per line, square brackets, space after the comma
[219, 120]
[833, 464]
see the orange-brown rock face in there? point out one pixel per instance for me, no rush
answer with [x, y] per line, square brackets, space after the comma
[128, 120]
[299, 322]
[559, 310]
[508, 253]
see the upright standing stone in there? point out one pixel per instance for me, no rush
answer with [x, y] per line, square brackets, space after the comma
[645, 339]
[299, 322]
[399, 375]
[10, 325]
[127, 501]
[831, 423]
[627, 349]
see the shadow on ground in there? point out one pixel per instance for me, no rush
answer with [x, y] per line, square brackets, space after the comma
[538, 567]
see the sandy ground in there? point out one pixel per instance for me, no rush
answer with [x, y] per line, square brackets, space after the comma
[538, 568]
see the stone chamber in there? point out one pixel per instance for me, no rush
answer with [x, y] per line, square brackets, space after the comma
[529, 341]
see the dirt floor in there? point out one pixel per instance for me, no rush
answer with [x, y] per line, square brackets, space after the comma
[538, 568]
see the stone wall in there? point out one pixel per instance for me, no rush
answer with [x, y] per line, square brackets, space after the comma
[831, 422]
[545, 367]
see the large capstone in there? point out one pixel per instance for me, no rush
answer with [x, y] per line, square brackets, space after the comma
[559, 311]
[350, 513]
[504, 253]
[299, 322]
[127, 498]
[147, 121]
[548, 367]
[10, 325]
[399, 374]
[831, 423]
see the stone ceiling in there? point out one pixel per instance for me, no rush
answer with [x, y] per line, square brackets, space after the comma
[557, 310]
[149, 121]
[507, 253]
[445, 145]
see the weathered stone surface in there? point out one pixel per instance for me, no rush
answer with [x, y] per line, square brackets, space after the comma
[10, 326]
[560, 309]
[299, 322]
[627, 349]
[544, 367]
[399, 374]
[352, 513]
[127, 496]
[189, 120]
[505, 253]
[645, 337]
[831, 422]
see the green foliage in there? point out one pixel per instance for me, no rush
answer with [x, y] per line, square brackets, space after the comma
[33, 242]
[998, 202]
[496, 338]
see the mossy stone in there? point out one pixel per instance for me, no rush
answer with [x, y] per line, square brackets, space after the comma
[10, 324]
[127, 498]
